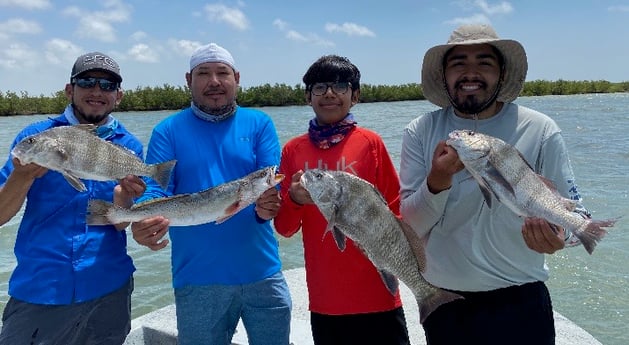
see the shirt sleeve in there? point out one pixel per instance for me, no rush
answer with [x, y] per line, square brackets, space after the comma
[419, 207]
[288, 220]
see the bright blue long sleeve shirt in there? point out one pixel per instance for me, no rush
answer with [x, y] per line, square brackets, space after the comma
[242, 249]
[60, 259]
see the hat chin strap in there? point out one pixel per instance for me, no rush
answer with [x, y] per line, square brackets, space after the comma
[486, 105]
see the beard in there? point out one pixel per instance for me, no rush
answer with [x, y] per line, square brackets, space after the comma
[473, 104]
[89, 118]
[470, 105]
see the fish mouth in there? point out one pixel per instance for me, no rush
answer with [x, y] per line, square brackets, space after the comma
[278, 177]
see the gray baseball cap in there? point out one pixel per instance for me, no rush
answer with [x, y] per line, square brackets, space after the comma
[96, 61]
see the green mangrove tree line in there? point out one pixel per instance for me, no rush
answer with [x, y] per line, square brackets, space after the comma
[168, 97]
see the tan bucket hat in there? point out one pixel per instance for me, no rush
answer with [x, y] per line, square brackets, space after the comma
[516, 66]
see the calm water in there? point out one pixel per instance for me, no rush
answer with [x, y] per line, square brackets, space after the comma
[592, 290]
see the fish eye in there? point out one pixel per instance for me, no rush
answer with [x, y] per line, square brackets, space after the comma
[470, 132]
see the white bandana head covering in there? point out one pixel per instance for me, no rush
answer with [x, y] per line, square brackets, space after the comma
[211, 53]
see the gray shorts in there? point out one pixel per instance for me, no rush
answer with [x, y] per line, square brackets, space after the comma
[105, 320]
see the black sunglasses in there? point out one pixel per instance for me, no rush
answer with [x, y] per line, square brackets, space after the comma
[88, 83]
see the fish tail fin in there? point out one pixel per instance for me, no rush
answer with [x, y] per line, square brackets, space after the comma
[593, 233]
[163, 171]
[434, 301]
[97, 212]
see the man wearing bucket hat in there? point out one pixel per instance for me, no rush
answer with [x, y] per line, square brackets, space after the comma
[492, 257]
[229, 271]
[73, 282]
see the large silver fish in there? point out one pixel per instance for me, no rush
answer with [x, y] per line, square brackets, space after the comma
[78, 153]
[354, 208]
[502, 173]
[216, 204]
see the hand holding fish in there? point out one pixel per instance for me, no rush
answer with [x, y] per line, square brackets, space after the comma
[268, 204]
[149, 232]
[540, 237]
[30, 170]
[445, 163]
[297, 192]
[129, 187]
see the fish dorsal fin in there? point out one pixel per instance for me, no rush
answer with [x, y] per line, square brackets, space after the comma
[390, 281]
[88, 127]
[416, 243]
[159, 200]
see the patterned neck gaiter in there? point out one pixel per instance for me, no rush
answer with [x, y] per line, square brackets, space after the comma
[104, 131]
[327, 136]
[223, 113]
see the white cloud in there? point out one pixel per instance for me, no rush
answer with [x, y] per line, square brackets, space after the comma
[350, 29]
[229, 15]
[62, 52]
[474, 19]
[139, 35]
[501, 8]
[619, 8]
[98, 24]
[184, 47]
[280, 24]
[310, 38]
[16, 56]
[19, 26]
[143, 53]
[27, 4]
[296, 36]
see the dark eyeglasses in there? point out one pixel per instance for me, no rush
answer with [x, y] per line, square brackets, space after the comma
[319, 89]
[88, 83]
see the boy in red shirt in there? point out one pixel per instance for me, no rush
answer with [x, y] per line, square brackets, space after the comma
[349, 302]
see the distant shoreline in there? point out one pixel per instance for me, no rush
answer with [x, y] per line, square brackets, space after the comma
[174, 98]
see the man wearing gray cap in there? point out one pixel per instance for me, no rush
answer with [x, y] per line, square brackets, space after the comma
[229, 271]
[488, 254]
[73, 282]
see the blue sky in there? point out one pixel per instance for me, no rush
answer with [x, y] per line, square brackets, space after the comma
[275, 41]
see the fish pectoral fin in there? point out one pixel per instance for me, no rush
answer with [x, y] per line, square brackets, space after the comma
[229, 212]
[339, 238]
[500, 179]
[74, 182]
[487, 192]
[390, 281]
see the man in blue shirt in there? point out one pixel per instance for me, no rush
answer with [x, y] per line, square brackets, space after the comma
[73, 282]
[228, 271]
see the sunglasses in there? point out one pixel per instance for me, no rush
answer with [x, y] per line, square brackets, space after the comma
[319, 89]
[88, 83]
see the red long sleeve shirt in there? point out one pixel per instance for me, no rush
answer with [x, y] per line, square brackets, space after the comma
[338, 282]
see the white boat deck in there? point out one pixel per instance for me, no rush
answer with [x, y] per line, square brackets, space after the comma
[160, 328]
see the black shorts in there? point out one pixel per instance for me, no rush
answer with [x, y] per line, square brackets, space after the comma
[514, 315]
[383, 328]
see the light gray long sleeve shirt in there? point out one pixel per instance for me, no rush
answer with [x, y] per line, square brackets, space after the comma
[472, 247]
